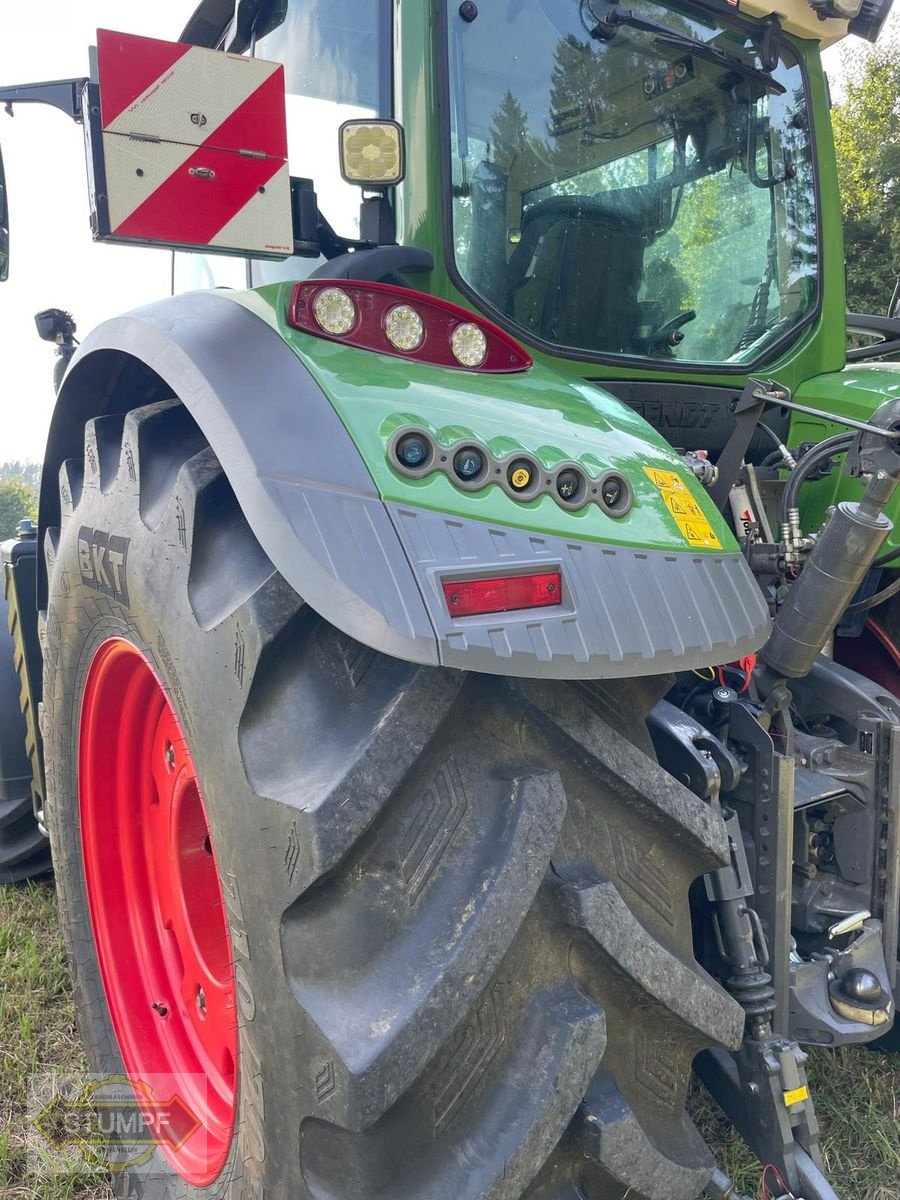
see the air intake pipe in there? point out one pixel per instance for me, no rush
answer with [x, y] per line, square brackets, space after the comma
[842, 556]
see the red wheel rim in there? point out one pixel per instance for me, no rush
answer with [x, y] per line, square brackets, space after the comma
[156, 905]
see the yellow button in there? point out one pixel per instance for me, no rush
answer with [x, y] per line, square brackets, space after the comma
[520, 478]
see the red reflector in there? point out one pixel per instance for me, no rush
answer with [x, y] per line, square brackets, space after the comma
[471, 597]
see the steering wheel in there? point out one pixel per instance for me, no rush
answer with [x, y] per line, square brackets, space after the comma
[670, 333]
[587, 208]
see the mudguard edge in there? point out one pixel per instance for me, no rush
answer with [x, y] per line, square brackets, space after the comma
[313, 506]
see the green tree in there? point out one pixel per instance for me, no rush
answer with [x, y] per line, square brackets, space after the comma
[867, 141]
[509, 132]
[17, 468]
[17, 500]
[29, 472]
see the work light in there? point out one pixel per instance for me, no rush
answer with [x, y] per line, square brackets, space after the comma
[372, 153]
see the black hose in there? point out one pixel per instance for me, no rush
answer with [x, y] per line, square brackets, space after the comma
[773, 435]
[884, 560]
[873, 601]
[838, 444]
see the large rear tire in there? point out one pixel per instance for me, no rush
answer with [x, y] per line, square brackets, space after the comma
[24, 850]
[457, 905]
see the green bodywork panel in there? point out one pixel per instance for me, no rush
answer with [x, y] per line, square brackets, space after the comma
[541, 411]
[812, 367]
[555, 411]
[854, 392]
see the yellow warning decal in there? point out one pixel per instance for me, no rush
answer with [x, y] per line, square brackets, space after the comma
[796, 1096]
[688, 514]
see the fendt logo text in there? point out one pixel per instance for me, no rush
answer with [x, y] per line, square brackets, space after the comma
[103, 559]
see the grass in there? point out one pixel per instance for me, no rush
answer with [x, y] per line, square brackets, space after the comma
[857, 1095]
[857, 1092]
[37, 1033]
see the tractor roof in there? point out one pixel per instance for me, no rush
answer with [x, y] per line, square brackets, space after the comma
[212, 18]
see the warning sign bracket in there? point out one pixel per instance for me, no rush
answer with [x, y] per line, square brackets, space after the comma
[206, 166]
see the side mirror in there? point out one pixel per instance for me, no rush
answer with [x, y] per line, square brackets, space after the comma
[4, 225]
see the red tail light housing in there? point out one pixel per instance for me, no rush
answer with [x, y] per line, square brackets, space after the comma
[476, 597]
[441, 324]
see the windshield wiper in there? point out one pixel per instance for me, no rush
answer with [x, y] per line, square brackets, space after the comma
[607, 26]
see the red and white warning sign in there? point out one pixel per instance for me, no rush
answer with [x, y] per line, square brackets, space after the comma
[194, 147]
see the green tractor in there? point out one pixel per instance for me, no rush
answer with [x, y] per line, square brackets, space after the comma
[458, 667]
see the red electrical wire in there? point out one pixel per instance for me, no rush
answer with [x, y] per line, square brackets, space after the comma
[783, 1190]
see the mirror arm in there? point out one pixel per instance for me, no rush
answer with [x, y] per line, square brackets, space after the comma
[64, 94]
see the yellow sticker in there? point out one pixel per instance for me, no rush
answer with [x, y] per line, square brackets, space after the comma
[796, 1096]
[688, 515]
[520, 478]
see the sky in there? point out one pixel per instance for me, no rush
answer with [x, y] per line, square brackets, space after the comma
[53, 262]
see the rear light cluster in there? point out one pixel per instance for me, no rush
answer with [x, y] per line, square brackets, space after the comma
[476, 597]
[395, 320]
[470, 466]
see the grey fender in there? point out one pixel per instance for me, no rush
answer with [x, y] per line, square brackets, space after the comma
[304, 490]
[375, 570]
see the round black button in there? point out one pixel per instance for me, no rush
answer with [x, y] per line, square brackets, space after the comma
[413, 451]
[612, 491]
[568, 484]
[468, 463]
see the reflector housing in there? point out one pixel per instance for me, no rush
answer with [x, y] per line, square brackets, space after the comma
[440, 319]
[475, 597]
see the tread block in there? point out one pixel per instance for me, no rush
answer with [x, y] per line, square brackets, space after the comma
[156, 442]
[392, 947]
[15, 800]
[689, 826]
[646, 968]
[500, 1098]
[330, 744]
[228, 565]
[51, 547]
[607, 1131]
[71, 483]
[21, 842]
[103, 450]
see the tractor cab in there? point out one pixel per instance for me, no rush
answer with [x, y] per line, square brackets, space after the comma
[639, 186]
[647, 195]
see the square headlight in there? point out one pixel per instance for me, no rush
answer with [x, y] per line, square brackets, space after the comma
[372, 153]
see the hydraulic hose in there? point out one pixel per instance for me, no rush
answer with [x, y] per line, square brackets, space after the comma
[873, 601]
[885, 560]
[813, 458]
[843, 553]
